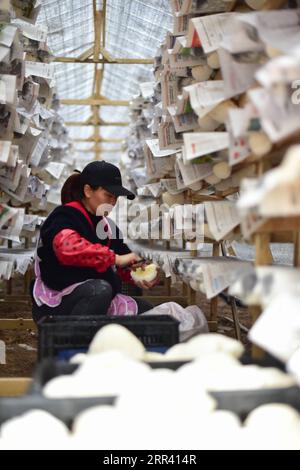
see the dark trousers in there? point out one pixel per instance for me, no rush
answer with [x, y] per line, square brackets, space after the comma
[91, 298]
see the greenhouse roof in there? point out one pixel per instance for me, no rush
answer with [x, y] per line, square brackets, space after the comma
[133, 29]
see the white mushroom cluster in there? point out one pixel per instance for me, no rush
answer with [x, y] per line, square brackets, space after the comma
[159, 408]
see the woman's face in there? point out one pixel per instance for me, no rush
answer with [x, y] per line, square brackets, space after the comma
[99, 201]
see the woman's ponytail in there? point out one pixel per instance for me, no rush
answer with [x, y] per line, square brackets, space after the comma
[72, 189]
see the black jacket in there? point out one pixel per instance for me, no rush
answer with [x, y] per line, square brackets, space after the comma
[57, 276]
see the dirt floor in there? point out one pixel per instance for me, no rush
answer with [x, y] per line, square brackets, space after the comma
[21, 347]
[20, 359]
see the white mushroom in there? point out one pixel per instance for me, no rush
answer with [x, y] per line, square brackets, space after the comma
[196, 186]
[213, 60]
[147, 273]
[118, 338]
[212, 179]
[259, 143]
[222, 170]
[273, 414]
[207, 123]
[102, 374]
[220, 112]
[37, 424]
[214, 342]
[201, 73]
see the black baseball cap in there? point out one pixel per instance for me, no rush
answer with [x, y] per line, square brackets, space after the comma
[106, 175]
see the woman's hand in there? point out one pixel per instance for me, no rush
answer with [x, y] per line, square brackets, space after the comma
[126, 260]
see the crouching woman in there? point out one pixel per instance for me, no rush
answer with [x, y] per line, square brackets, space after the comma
[78, 273]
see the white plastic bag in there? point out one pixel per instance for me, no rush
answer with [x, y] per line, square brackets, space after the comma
[192, 319]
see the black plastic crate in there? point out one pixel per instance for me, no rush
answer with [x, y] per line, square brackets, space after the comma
[66, 409]
[50, 368]
[63, 333]
[242, 402]
[239, 402]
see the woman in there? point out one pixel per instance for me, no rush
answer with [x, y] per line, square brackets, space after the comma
[78, 273]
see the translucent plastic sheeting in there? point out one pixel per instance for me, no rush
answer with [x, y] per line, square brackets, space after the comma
[134, 29]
